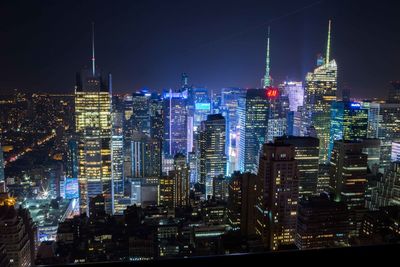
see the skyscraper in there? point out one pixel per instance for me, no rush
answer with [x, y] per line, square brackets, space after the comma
[212, 150]
[117, 170]
[14, 236]
[181, 178]
[348, 179]
[349, 121]
[229, 106]
[387, 190]
[175, 123]
[253, 118]
[93, 128]
[143, 156]
[242, 202]
[295, 94]
[320, 91]
[306, 153]
[384, 124]
[277, 195]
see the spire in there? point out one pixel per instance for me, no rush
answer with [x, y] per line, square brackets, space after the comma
[328, 45]
[267, 77]
[93, 58]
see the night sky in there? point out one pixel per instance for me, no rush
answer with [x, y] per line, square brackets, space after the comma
[218, 43]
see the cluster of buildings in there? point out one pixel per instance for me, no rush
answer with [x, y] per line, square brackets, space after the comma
[189, 172]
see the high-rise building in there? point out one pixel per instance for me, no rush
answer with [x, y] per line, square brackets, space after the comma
[295, 93]
[321, 223]
[181, 178]
[143, 156]
[117, 170]
[175, 123]
[140, 119]
[166, 191]
[387, 190]
[349, 121]
[93, 128]
[212, 150]
[242, 202]
[320, 92]
[395, 150]
[71, 163]
[294, 123]
[229, 106]
[384, 124]
[306, 153]
[253, 112]
[348, 178]
[14, 236]
[277, 195]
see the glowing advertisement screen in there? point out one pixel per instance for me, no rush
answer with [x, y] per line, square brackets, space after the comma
[203, 106]
[71, 188]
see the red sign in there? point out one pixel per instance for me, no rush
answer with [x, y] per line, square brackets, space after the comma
[272, 92]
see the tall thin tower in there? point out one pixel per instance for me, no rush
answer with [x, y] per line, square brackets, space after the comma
[267, 77]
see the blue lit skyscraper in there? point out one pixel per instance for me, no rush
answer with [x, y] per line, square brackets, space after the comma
[349, 122]
[175, 123]
[253, 118]
[229, 107]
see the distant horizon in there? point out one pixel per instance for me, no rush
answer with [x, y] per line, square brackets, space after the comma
[219, 44]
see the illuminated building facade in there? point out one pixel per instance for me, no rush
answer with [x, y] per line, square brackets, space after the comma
[143, 156]
[348, 178]
[349, 121]
[166, 191]
[253, 113]
[175, 123]
[117, 171]
[295, 93]
[384, 124]
[93, 126]
[277, 195]
[229, 106]
[212, 150]
[320, 92]
[321, 223]
[294, 122]
[306, 153]
[181, 181]
[395, 151]
[387, 190]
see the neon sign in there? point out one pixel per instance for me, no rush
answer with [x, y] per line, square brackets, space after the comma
[272, 92]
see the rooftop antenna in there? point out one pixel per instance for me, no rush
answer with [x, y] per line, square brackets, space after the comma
[267, 77]
[93, 58]
[328, 46]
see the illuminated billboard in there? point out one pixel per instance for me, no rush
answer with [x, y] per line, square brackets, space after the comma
[203, 106]
[71, 188]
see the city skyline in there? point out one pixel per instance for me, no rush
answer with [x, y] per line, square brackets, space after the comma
[227, 49]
